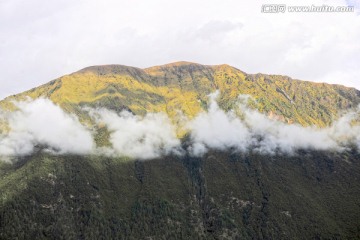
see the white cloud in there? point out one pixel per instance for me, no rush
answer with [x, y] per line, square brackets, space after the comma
[215, 30]
[217, 129]
[253, 131]
[40, 122]
[42, 40]
[276, 135]
[44, 125]
[145, 137]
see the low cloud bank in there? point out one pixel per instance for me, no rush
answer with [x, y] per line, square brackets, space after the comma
[41, 123]
[139, 137]
[254, 131]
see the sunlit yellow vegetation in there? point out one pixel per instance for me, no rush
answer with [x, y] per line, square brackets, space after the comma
[183, 87]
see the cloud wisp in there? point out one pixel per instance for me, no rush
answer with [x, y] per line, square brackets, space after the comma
[145, 137]
[254, 131]
[40, 124]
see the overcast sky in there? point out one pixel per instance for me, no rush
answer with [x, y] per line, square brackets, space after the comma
[41, 40]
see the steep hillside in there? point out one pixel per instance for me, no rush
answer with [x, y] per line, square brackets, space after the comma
[221, 196]
[184, 86]
[305, 186]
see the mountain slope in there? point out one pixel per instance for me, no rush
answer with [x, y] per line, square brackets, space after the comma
[220, 196]
[184, 86]
[224, 194]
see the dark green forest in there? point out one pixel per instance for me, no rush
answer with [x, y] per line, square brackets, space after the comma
[223, 195]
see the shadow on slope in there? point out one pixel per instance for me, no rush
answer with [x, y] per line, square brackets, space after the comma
[222, 195]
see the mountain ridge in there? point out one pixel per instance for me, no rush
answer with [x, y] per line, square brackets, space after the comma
[184, 86]
[184, 64]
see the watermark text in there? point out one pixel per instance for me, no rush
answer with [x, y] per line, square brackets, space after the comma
[282, 8]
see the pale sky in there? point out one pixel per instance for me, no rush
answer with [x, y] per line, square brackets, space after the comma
[41, 40]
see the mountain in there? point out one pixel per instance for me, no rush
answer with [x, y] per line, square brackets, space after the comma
[184, 86]
[222, 194]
